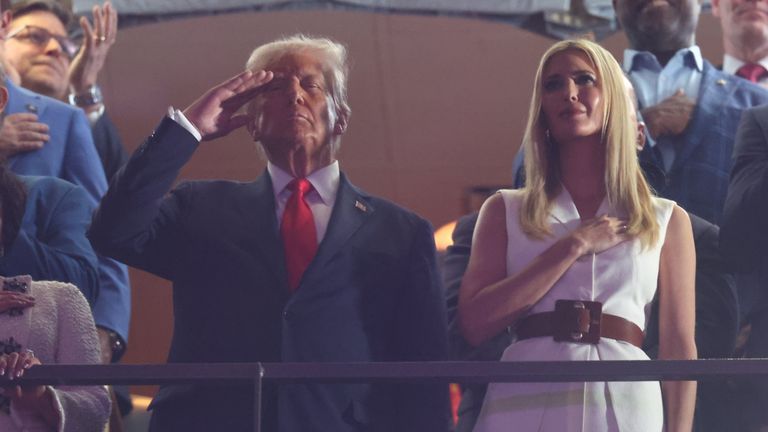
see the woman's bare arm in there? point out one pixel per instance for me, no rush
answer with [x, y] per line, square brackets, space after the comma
[489, 301]
[677, 314]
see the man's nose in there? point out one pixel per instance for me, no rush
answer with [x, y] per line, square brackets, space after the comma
[53, 47]
[295, 93]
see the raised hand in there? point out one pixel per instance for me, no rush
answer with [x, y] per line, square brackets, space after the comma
[214, 114]
[97, 40]
[600, 233]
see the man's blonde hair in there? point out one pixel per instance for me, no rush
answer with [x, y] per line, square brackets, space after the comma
[332, 54]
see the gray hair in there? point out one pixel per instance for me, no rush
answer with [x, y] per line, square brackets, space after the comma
[333, 54]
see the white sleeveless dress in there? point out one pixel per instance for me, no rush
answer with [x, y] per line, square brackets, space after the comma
[624, 279]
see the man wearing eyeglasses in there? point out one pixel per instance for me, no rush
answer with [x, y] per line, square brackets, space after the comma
[47, 61]
[43, 136]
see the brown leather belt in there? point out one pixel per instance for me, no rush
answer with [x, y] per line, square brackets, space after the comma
[579, 321]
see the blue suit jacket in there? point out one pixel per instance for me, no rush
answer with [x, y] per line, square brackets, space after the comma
[372, 293]
[51, 243]
[71, 155]
[698, 178]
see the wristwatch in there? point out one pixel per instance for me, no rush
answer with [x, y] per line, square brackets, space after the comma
[91, 96]
[116, 344]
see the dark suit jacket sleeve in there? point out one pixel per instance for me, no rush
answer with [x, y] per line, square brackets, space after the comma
[744, 232]
[108, 145]
[421, 333]
[717, 310]
[51, 244]
[134, 224]
[454, 266]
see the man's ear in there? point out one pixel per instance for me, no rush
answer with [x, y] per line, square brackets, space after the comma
[5, 20]
[341, 124]
[715, 8]
[3, 97]
[253, 130]
[640, 136]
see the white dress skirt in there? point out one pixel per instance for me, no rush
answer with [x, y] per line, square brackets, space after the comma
[624, 280]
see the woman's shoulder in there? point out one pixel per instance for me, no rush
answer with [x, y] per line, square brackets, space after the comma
[61, 293]
[663, 207]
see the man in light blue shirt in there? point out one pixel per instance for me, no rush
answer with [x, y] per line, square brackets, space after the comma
[691, 109]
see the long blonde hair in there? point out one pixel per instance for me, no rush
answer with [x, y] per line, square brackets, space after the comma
[625, 185]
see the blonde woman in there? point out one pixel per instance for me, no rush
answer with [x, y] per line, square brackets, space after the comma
[572, 261]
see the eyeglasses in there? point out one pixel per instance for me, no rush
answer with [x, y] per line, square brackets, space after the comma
[40, 37]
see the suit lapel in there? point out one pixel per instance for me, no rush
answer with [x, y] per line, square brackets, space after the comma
[259, 213]
[350, 212]
[23, 101]
[714, 92]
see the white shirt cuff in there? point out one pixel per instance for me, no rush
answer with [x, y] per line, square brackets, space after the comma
[94, 116]
[179, 117]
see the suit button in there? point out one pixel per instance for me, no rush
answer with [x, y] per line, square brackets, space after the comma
[287, 315]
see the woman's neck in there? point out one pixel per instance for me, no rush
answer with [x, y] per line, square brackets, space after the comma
[582, 170]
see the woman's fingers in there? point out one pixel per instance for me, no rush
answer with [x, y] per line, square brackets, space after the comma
[14, 300]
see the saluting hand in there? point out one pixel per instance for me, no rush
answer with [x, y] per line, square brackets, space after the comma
[215, 113]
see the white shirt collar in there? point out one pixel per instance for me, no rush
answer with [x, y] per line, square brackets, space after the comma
[324, 180]
[731, 64]
[630, 56]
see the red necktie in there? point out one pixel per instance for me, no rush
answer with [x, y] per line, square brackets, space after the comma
[298, 232]
[751, 71]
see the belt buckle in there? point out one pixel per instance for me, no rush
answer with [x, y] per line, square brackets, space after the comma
[578, 321]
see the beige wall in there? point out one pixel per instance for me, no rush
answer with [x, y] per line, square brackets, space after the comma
[438, 106]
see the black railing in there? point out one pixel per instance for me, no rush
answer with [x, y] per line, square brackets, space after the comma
[568, 371]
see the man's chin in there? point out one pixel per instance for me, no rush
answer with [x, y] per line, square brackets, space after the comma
[44, 84]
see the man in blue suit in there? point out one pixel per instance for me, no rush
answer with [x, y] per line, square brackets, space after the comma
[296, 266]
[64, 148]
[690, 108]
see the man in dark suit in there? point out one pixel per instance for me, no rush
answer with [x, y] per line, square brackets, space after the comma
[297, 266]
[743, 240]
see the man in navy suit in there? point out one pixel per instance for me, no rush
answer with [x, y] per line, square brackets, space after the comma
[365, 289]
[743, 240]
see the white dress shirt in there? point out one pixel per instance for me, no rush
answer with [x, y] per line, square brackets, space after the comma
[325, 183]
[732, 64]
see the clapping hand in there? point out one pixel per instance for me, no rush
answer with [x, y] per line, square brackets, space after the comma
[97, 40]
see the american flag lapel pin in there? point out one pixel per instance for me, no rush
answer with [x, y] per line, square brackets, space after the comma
[360, 206]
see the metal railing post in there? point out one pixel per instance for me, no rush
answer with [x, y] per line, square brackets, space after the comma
[257, 399]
